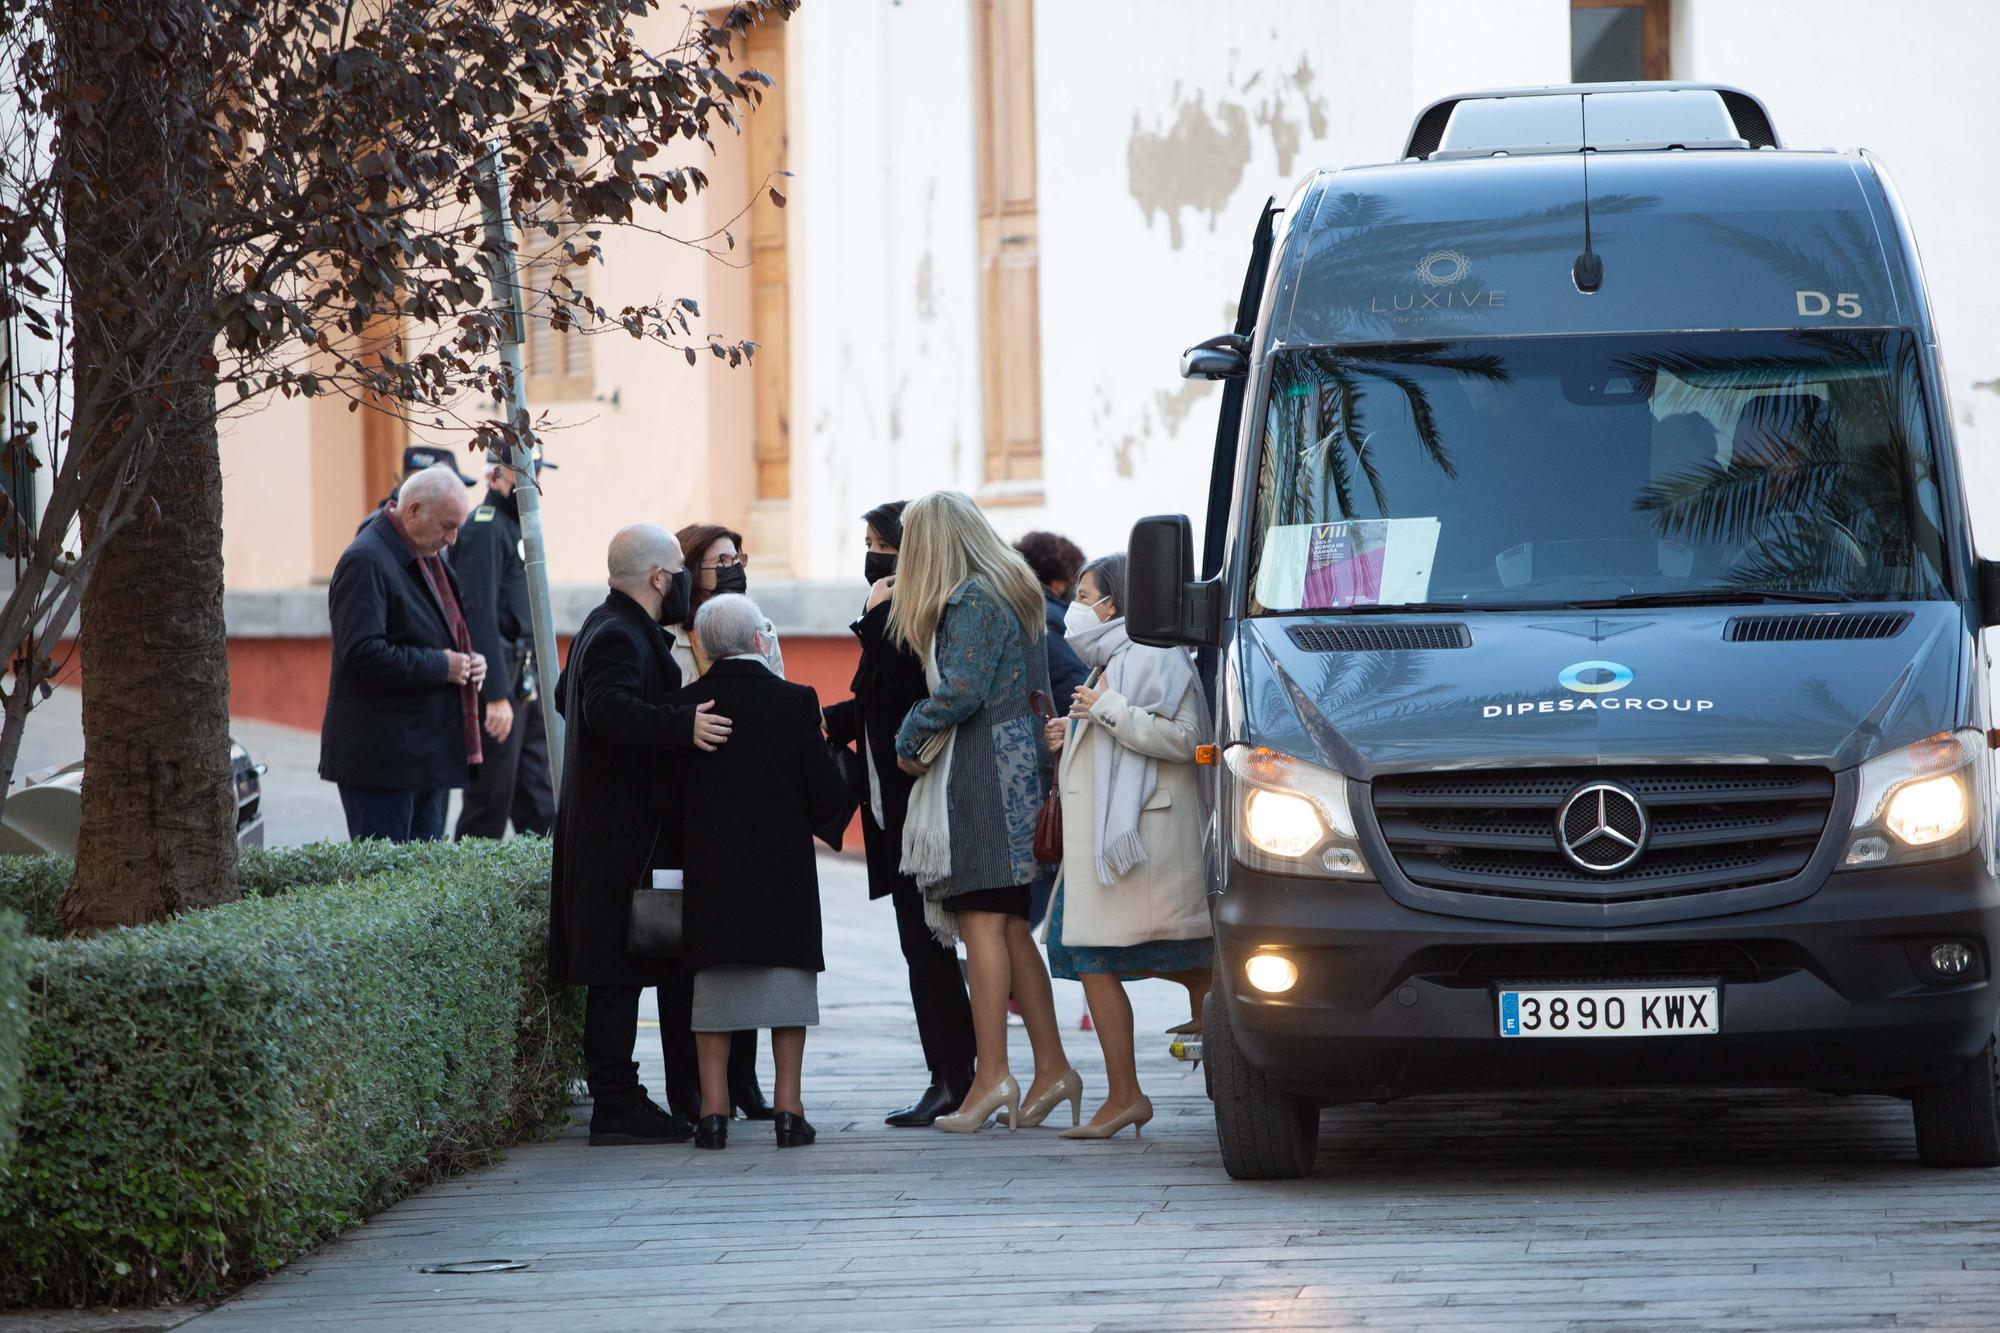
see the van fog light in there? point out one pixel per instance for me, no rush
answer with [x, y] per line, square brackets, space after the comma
[1952, 959]
[1272, 973]
[1343, 861]
[1929, 811]
[1868, 851]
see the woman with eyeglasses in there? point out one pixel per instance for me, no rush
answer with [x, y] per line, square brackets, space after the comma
[718, 563]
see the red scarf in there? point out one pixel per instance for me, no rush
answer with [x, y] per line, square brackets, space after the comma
[447, 600]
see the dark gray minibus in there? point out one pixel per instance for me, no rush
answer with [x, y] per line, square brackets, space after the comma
[1592, 618]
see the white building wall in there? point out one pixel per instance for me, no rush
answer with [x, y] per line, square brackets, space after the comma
[885, 283]
[1162, 126]
[1914, 84]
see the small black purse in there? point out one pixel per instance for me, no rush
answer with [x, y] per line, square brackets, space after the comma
[655, 925]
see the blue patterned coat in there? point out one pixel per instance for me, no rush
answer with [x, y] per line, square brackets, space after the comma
[1000, 769]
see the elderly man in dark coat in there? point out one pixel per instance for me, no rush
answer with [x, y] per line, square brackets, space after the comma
[747, 814]
[402, 706]
[609, 832]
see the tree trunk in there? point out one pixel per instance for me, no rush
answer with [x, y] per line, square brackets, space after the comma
[159, 810]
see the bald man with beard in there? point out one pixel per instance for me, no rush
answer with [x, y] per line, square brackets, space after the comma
[608, 835]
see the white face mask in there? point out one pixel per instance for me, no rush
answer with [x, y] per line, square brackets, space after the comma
[1080, 618]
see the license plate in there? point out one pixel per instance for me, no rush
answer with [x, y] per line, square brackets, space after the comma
[1673, 1011]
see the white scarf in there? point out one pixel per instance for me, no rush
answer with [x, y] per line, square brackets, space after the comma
[1153, 680]
[927, 827]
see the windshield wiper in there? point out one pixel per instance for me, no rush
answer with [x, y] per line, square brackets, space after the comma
[1707, 597]
[1427, 608]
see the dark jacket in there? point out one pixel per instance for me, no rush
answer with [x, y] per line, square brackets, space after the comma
[1066, 669]
[608, 831]
[889, 680]
[393, 718]
[487, 558]
[748, 811]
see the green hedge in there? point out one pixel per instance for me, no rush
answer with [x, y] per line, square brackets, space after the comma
[209, 1097]
[13, 1026]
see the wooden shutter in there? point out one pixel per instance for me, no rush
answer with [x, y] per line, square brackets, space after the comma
[557, 361]
[1009, 244]
[770, 284]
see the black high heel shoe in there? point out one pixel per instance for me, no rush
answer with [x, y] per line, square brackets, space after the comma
[749, 1099]
[792, 1130]
[712, 1132]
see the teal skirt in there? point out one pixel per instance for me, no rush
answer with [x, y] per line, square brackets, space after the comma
[1128, 962]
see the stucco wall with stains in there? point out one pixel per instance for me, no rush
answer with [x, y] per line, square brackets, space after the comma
[1913, 84]
[1161, 128]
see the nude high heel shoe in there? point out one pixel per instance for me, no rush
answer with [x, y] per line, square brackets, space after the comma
[1136, 1115]
[1005, 1093]
[1068, 1088]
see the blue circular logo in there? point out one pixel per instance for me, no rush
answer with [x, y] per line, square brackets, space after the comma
[1595, 677]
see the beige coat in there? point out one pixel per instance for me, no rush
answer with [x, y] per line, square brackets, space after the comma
[1166, 897]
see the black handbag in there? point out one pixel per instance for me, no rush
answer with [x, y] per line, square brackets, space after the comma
[854, 775]
[656, 922]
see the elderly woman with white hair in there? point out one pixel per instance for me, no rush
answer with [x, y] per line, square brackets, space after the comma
[747, 812]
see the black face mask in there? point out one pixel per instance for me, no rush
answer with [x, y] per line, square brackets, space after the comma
[731, 578]
[877, 566]
[674, 606]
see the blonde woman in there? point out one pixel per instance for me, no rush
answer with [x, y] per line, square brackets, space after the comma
[1132, 901]
[967, 605]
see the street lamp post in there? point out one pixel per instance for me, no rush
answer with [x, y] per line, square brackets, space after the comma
[506, 281]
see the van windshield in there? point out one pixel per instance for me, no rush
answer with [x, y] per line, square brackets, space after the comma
[1544, 472]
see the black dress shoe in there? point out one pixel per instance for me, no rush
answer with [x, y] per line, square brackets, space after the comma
[923, 1112]
[713, 1132]
[793, 1131]
[749, 1102]
[635, 1123]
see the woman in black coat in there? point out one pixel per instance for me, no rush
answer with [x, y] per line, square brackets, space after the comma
[747, 813]
[888, 682]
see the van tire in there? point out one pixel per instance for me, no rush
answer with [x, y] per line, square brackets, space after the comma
[1958, 1121]
[1264, 1134]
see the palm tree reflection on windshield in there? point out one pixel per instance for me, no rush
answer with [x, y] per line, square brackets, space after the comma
[1825, 485]
[1320, 446]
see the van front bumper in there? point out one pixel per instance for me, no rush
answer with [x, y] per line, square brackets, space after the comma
[1392, 1001]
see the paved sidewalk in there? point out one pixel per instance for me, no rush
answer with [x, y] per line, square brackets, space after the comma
[1610, 1212]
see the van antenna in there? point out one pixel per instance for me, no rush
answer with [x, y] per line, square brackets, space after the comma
[1588, 271]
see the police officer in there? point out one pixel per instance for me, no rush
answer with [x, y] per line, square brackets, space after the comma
[513, 783]
[415, 459]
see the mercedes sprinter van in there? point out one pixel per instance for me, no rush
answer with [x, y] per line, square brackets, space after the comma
[1593, 620]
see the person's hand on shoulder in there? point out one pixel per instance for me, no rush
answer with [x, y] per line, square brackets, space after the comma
[882, 590]
[711, 729]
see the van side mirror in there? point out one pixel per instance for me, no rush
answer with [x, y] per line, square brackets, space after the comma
[1989, 593]
[1166, 606]
[1226, 356]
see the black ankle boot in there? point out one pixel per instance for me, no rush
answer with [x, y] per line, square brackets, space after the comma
[793, 1131]
[713, 1132]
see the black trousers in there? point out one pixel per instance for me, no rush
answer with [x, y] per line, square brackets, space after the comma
[937, 991]
[611, 1032]
[513, 782]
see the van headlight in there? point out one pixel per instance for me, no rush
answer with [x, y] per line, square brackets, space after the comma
[1920, 803]
[1290, 817]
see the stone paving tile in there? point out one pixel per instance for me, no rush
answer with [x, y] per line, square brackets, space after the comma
[1598, 1212]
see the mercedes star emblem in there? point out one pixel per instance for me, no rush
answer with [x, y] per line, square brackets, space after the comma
[1601, 828]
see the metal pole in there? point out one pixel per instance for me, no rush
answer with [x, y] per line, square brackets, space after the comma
[527, 487]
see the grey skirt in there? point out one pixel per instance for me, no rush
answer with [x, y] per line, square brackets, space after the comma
[730, 999]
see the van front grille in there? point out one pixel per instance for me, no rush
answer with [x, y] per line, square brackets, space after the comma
[1709, 829]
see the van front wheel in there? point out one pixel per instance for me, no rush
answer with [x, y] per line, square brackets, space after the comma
[1958, 1121]
[1265, 1134]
